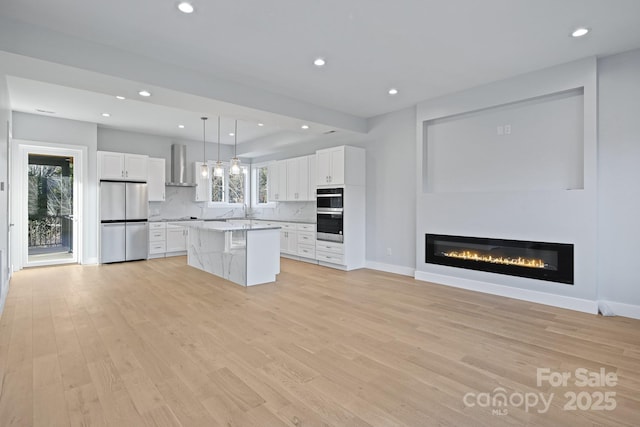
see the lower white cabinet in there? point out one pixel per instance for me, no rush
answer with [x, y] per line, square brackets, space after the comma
[332, 252]
[157, 239]
[297, 240]
[168, 238]
[177, 238]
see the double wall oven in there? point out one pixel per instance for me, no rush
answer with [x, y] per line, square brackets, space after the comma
[330, 210]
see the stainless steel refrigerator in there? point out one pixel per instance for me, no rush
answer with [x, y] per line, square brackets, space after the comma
[124, 211]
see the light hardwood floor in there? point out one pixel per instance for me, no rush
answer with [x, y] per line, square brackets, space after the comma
[160, 343]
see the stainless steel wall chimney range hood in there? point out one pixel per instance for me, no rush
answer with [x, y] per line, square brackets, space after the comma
[179, 167]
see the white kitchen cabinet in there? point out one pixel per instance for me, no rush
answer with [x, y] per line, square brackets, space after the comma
[168, 239]
[293, 169]
[306, 240]
[289, 238]
[311, 181]
[110, 165]
[176, 238]
[331, 252]
[136, 167]
[122, 166]
[277, 181]
[156, 179]
[340, 166]
[157, 239]
[203, 184]
[299, 178]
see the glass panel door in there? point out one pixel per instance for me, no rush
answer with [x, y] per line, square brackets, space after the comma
[50, 208]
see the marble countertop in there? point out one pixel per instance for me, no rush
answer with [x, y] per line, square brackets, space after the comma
[224, 226]
[296, 221]
[186, 219]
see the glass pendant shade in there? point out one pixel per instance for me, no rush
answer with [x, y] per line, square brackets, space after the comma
[235, 162]
[235, 166]
[218, 169]
[204, 169]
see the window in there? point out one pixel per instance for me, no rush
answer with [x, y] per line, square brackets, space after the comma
[217, 188]
[261, 184]
[230, 189]
[237, 186]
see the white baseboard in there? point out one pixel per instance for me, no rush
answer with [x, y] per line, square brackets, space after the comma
[3, 294]
[571, 303]
[622, 309]
[390, 268]
[90, 261]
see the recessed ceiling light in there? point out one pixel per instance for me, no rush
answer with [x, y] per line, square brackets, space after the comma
[185, 7]
[393, 91]
[579, 32]
[144, 93]
[305, 126]
[181, 126]
[319, 62]
[260, 124]
[231, 134]
[120, 97]
[106, 115]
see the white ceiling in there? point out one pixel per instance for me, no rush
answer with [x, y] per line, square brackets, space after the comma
[425, 48]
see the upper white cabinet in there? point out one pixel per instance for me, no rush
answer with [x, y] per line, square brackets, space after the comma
[292, 180]
[340, 166]
[277, 181]
[202, 184]
[136, 167]
[298, 179]
[156, 179]
[122, 166]
[110, 165]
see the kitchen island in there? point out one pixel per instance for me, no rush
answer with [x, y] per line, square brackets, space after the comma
[246, 254]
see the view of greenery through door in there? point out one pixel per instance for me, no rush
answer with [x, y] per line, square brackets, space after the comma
[50, 207]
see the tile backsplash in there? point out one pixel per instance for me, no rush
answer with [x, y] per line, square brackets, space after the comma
[179, 204]
[288, 211]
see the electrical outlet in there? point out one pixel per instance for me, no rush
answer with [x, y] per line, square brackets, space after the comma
[388, 251]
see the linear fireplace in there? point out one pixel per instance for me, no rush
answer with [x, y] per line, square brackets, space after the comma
[535, 260]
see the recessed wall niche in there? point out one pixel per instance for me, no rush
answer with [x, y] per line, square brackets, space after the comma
[531, 145]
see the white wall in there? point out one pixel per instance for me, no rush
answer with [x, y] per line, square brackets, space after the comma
[179, 201]
[543, 149]
[44, 129]
[619, 180]
[159, 146]
[556, 215]
[391, 186]
[5, 121]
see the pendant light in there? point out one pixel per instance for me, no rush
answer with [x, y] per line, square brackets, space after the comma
[235, 162]
[218, 170]
[204, 169]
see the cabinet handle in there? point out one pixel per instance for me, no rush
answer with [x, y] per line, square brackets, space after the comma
[122, 174]
[126, 174]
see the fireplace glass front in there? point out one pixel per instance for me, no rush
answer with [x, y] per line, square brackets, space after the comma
[536, 260]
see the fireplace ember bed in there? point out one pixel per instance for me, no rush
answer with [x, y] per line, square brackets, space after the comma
[536, 260]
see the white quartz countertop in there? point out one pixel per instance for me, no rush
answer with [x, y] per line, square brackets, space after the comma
[225, 226]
